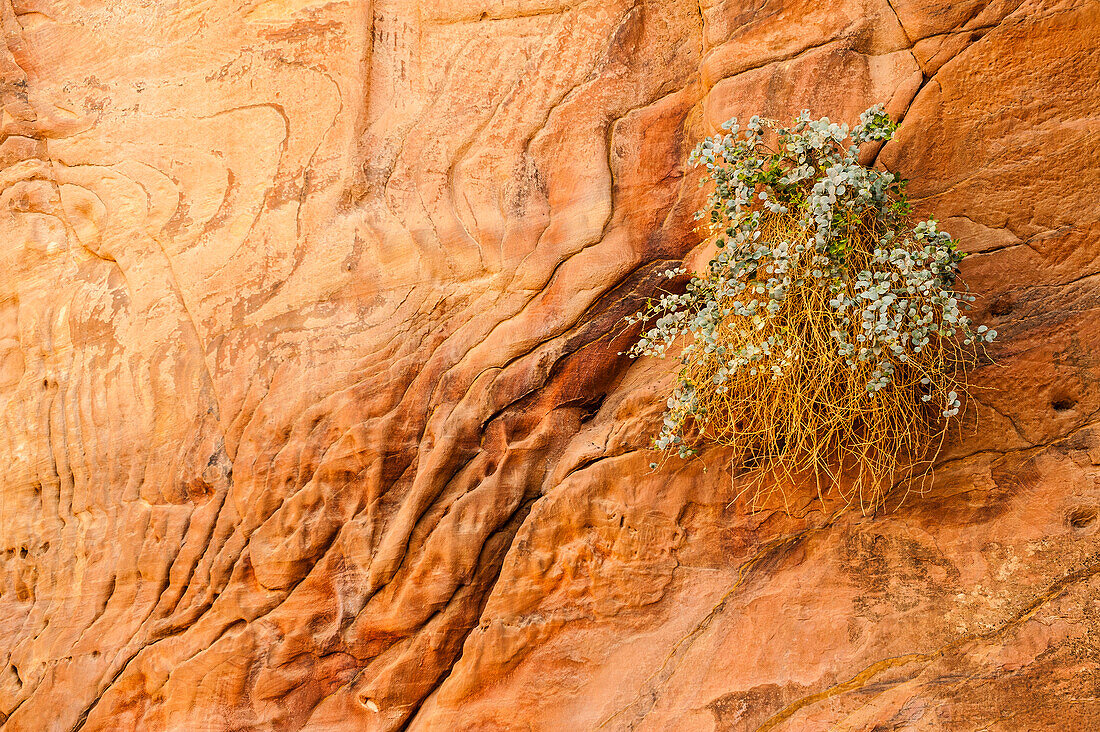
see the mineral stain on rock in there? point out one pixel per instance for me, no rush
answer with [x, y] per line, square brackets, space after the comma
[313, 410]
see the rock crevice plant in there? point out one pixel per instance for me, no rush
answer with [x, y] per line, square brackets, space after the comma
[827, 336]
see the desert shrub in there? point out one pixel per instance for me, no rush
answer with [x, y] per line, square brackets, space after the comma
[827, 335]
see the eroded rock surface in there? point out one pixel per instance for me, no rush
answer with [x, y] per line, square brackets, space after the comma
[313, 413]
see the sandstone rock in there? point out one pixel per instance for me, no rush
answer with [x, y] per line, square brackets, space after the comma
[314, 416]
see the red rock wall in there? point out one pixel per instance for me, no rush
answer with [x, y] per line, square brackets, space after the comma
[313, 416]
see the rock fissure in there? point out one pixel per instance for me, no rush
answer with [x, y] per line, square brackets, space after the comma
[376, 259]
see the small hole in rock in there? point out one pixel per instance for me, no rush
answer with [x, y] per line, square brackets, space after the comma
[1003, 306]
[1081, 518]
[1063, 404]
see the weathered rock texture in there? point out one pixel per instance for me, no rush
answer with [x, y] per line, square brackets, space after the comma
[313, 416]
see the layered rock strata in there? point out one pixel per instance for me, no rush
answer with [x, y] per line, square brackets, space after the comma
[313, 413]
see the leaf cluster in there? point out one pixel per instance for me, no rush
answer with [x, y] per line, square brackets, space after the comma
[826, 335]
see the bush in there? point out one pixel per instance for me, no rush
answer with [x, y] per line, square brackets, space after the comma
[826, 337]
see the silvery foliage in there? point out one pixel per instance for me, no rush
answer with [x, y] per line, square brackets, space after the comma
[901, 304]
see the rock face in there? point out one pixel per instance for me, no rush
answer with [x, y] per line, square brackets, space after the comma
[313, 411]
